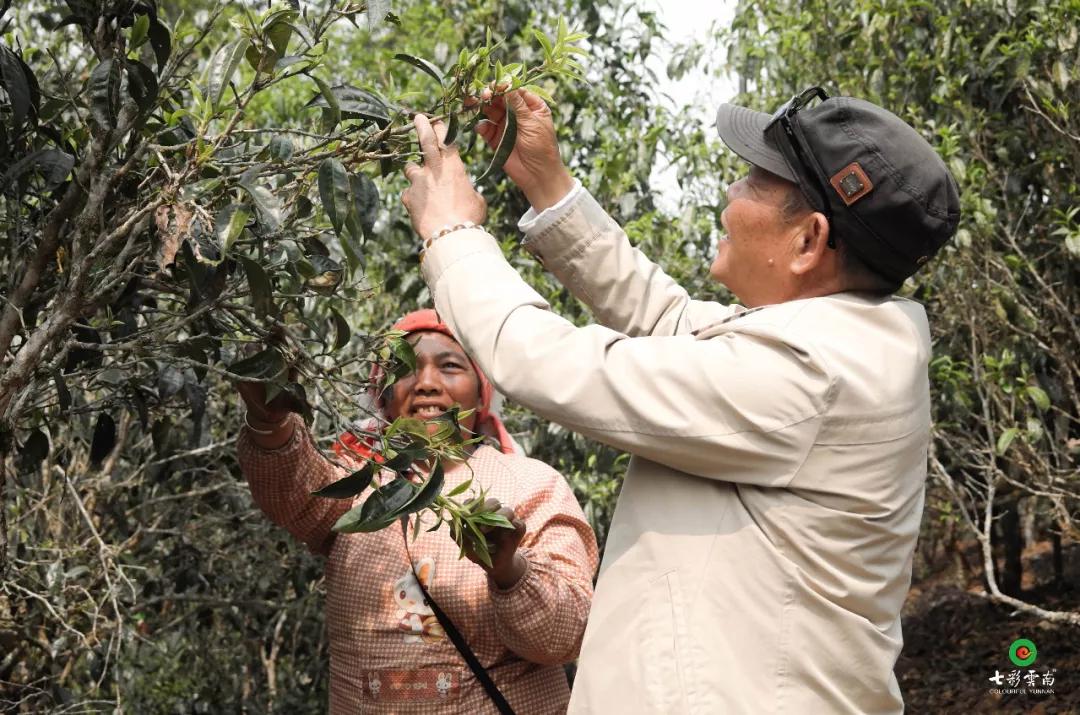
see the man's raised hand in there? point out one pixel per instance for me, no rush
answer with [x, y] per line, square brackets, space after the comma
[535, 164]
[440, 193]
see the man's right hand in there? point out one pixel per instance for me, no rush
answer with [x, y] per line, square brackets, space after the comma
[535, 164]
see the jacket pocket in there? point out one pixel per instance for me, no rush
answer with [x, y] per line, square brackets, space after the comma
[663, 636]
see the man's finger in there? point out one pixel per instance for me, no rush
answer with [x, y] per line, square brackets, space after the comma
[496, 110]
[516, 103]
[429, 143]
[440, 130]
[412, 170]
[487, 131]
[534, 102]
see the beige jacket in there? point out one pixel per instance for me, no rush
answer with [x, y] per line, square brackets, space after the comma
[761, 548]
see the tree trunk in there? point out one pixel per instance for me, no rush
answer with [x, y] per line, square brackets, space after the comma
[1012, 540]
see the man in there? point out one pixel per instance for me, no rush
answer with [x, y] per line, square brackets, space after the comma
[761, 548]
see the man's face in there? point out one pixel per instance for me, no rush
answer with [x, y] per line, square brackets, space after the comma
[752, 259]
[444, 377]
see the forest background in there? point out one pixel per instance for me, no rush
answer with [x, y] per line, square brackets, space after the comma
[185, 182]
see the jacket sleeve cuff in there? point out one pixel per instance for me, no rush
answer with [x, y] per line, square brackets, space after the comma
[455, 247]
[533, 223]
[556, 244]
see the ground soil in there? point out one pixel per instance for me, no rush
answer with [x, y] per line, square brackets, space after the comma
[955, 641]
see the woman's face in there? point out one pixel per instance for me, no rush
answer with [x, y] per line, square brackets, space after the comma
[444, 377]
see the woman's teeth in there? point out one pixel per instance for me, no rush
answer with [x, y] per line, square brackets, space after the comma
[428, 411]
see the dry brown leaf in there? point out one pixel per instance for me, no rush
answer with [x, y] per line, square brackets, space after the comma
[173, 223]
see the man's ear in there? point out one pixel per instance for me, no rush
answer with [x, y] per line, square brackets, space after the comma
[811, 244]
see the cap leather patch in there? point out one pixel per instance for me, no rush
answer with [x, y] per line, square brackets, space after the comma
[851, 183]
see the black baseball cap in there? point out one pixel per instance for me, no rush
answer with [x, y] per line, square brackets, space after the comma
[887, 194]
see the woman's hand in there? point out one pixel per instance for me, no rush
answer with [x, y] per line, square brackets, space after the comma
[440, 193]
[507, 564]
[535, 165]
[263, 417]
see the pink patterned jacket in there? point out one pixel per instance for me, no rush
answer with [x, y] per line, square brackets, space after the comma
[388, 653]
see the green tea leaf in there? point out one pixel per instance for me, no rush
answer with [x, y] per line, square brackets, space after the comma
[403, 351]
[492, 519]
[365, 207]
[33, 451]
[460, 488]
[539, 92]
[267, 204]
[1039, 397]
[427, 492]
[104, 439]
[334, 191]
[422, 65]
[451, 129]
[139, 30]
[278, 29]
[506, 146]
[332, 112]
[350, 521]
[280, 149]
[342, 332]
[476, 540]
[223, 66]
[16, 84]
[161, 42]
[229, 224]
[261, 57]
[1006, 439]
[104, 87]
[379, 510]
[142, 85]
[262, 294]
[352, 103]
[53, 164]
[350, 486]
[407, 425]
[267, 364]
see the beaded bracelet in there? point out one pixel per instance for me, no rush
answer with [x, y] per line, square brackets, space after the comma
[445, 230]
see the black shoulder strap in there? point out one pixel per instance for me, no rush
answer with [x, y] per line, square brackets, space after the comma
[456, 638]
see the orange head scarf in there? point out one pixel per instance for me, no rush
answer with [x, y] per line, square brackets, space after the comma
[487, 423]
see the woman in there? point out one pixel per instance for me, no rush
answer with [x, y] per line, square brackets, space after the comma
[523, 617]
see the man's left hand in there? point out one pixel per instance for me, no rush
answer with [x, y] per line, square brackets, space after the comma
[440, 194]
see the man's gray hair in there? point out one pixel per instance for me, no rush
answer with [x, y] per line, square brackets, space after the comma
[859, 275]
